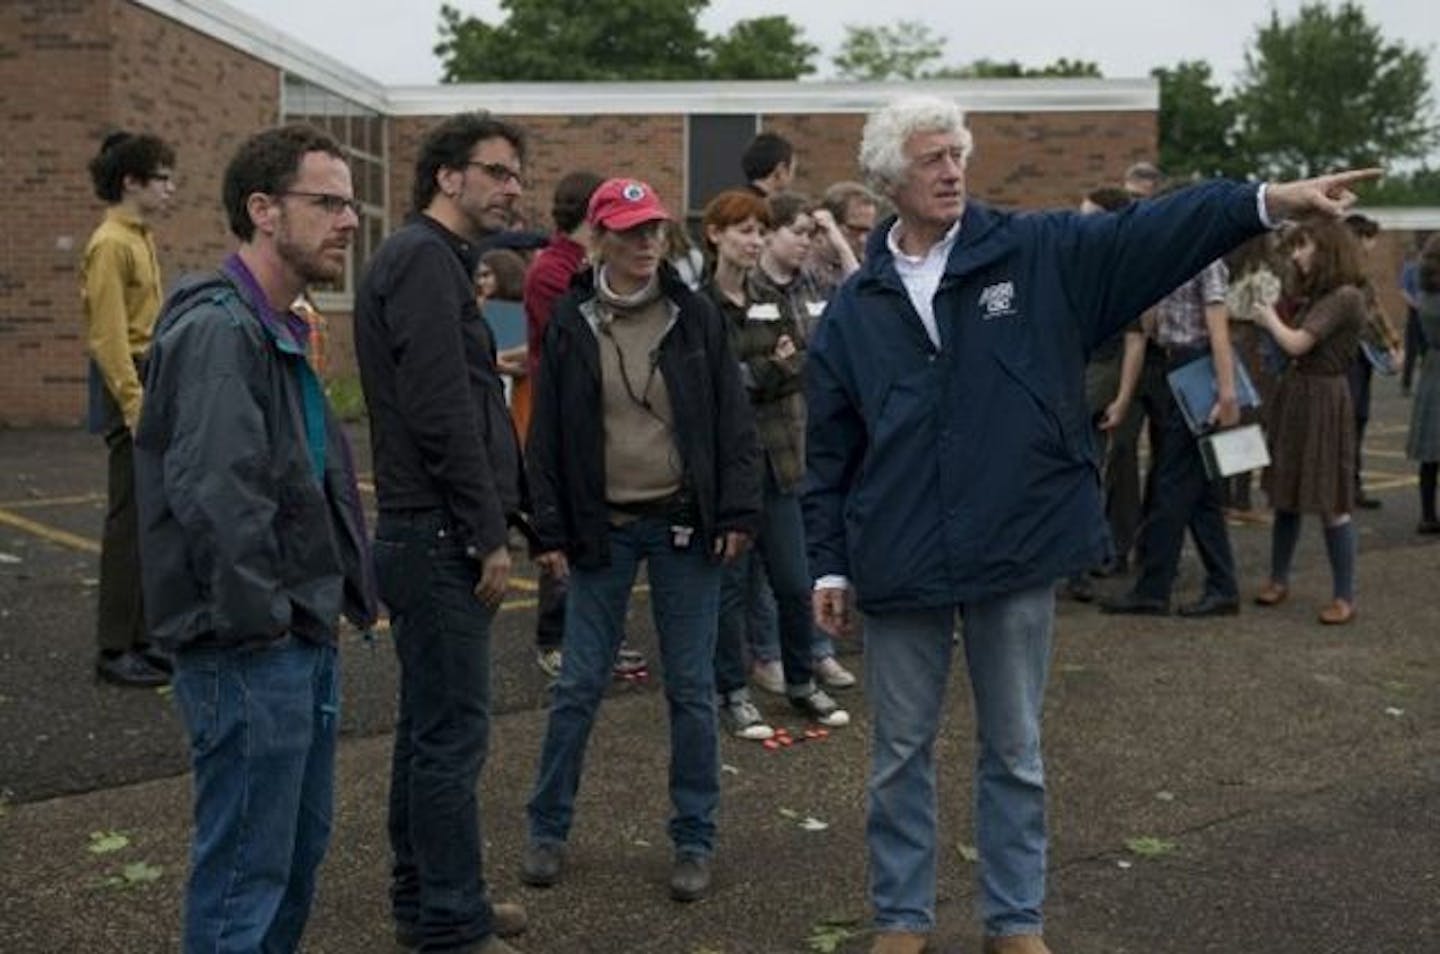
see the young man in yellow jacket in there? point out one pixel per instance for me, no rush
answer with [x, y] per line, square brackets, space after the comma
[121, 290]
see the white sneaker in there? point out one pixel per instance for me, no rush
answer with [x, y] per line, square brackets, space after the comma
[820, 708]
[769, 676]
[743, 720]
[549, 661]
[832, 675]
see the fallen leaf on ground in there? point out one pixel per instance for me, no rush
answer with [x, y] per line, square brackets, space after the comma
[9, 558]
[1147, 846]
[968, 852]
[827, 936]
[814, 824]
[1392, 711]
[1165, 796]
[107, 842]
[789, 813]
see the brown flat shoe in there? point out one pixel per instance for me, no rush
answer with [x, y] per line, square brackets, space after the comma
[899, 942]
[1337, 613]
[1272, 594]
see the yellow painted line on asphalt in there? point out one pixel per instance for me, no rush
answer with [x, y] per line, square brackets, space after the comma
[37, 503]
[77, 542]
[46, 532]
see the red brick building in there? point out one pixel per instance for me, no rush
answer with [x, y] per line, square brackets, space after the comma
[203, 76]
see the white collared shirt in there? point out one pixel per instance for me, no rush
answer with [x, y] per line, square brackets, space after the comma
[922, 274]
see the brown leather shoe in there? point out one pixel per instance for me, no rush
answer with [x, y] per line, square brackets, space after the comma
[1272, 594]
[1015, 944]
[899, 942]
[1337, 613]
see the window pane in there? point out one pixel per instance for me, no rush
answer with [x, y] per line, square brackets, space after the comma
[713, 165]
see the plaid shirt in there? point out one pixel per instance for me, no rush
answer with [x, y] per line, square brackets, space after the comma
[1180, 316]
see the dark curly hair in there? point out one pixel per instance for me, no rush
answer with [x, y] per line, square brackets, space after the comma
[448, 146]
[268, 163]
[139, 155]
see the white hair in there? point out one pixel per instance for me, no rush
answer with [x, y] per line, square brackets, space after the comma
[882, 144]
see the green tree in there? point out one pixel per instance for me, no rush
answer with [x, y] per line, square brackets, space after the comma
[540, 40]
[1197, 123]
[1418, 187]
[1013, 69]
[903, 51]
[762, 48]
[1078, 69]
[1326, 90]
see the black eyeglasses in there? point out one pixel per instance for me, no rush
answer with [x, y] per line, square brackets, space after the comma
[331, 202]
[499, 172]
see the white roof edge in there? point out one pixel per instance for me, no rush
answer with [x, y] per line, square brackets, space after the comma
[253, 36]
[1404, 218]
[770, 97]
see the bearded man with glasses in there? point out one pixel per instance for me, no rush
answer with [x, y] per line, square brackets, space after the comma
[448, 480]
[252, 542]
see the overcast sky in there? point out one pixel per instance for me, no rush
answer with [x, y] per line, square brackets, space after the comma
[392, 40]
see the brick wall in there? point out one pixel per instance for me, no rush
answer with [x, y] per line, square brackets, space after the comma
[70, 72]
[1036, 161]
[55, 60]
[1021, 160]
[649, 147]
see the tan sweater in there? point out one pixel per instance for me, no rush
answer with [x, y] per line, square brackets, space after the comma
[642, 461]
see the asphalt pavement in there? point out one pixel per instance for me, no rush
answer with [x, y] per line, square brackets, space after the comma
[1259, 783]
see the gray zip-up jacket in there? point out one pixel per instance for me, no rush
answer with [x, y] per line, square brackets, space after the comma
[250, 520]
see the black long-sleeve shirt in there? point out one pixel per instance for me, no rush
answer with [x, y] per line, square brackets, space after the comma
[440, 431]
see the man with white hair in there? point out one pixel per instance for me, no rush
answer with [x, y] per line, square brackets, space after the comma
[951, 469]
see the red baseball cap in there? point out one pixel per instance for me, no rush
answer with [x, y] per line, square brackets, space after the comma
[621, 204]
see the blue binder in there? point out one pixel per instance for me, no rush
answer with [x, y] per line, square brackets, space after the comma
[507, 323]
[1194, 387]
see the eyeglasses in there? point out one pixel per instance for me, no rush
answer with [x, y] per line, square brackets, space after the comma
[331, 202]
[499, 172]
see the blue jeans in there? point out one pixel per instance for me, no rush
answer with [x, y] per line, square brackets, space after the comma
[907, 664]
[442, 640]
[684, 597]
[262, 724]
[780, 547]
[1184, 496]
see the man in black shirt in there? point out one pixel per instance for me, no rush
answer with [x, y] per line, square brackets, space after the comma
[447, 475]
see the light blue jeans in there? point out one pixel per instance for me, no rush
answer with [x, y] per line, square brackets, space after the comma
[907, 664]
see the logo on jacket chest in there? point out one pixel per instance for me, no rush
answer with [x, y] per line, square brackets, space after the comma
[997, 301]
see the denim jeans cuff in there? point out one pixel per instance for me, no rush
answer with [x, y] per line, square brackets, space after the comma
[800, 690]
[904, 927]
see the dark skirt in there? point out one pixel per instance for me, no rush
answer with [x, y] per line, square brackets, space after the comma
[1312, 445]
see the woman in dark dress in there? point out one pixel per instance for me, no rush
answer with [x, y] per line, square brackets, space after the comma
[1312, 421]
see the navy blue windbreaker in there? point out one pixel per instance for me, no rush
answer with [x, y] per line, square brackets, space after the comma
[941, 476]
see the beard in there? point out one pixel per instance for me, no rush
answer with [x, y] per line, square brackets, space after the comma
[313, 264]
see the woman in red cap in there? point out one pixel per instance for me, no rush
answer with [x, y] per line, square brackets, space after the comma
[642, 448]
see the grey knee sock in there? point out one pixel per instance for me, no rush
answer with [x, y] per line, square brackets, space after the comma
[1283, 537]
[1340, 545]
